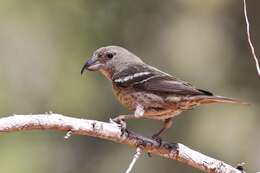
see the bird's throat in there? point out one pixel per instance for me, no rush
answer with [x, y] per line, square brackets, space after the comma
[106, 73]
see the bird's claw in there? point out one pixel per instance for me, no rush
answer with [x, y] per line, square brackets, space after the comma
[119, 122]
[157, 138]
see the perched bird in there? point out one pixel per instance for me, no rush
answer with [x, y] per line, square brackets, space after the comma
[145, 90]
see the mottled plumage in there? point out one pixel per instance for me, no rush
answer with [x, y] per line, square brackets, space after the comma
[143, 88]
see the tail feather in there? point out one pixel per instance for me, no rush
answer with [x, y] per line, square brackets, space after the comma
[219, 99]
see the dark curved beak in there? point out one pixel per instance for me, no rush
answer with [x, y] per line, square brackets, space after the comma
[92, 64]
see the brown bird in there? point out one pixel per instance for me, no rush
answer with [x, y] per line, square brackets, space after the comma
[145, 90]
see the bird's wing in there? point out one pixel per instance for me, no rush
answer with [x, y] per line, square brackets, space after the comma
[150, 79]
[164, 84]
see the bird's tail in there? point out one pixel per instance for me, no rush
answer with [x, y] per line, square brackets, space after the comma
[218, 99]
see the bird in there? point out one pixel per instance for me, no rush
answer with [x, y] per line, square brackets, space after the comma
[145, 90]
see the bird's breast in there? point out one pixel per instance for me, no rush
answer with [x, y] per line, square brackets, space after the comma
[126, 97]
[154, 105]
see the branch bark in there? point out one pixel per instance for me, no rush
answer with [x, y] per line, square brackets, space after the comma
[112, 132]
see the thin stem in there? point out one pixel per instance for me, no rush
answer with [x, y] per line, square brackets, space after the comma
[249, 39]
[135, 158]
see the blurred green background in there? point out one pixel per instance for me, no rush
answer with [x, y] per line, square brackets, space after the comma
[43, 45]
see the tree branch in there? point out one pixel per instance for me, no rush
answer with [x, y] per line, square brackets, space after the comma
[249, 39]
[112, 132]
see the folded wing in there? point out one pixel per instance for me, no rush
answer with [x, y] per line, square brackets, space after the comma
[152, 80]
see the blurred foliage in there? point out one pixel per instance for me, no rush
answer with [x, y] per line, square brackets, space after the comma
[43, 45]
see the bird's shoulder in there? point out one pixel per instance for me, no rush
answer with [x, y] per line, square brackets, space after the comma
[132, 74]
[147, 78]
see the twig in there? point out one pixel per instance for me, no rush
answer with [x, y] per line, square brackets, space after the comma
[135, 158]
[68, 134]
[240, 167]
[112, 132]
[249, 39]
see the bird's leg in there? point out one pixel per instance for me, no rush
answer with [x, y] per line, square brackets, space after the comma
[139, 112]
[166, 125]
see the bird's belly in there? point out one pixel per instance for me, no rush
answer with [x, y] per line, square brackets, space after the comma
[162, 115]
[131, 99]
[155, 106]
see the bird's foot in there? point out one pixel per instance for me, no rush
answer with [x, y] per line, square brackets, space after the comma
[119, 122]
[157, 138]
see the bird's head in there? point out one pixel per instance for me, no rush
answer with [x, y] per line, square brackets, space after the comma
[109, 60]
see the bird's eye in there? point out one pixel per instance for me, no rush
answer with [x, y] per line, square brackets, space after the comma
[110, 55]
